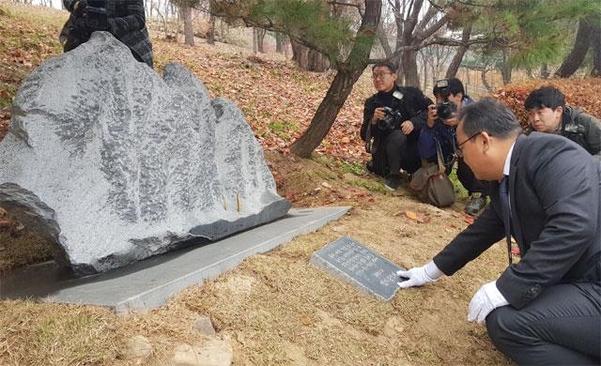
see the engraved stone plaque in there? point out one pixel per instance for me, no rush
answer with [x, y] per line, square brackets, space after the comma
[359, 265]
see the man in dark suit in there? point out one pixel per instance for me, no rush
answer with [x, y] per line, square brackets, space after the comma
[546, 308]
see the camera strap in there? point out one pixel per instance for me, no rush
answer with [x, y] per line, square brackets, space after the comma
[368, 139]
[439, 158]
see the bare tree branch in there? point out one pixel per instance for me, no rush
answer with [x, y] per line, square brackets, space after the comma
[429, 31]
[345, 4]
[434, 41]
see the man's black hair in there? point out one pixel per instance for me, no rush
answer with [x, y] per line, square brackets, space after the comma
[455, 87]
[545, 97]
[389, 65]
[489, 115]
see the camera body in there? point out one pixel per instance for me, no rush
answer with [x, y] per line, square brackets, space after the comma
[392, 120]
[446, 109]
[574, 128]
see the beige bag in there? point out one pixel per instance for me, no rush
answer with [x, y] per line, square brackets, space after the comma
[431, 185]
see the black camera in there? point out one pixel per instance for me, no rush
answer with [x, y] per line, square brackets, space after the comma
[446, 109]
[392, 120]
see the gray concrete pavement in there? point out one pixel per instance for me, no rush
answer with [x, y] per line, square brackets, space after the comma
[149, 283]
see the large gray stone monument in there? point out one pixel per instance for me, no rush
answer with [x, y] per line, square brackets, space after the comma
[113, 164]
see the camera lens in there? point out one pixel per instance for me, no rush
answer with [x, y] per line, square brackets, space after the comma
[445, 110]
[384, 124]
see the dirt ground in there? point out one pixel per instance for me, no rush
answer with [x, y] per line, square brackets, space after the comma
[313, 318]
[278, 309]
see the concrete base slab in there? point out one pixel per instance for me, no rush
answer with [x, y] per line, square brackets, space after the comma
[149, 283]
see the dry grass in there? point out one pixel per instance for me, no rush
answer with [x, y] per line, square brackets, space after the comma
[279, 309]
[52, 334]
[22, 248]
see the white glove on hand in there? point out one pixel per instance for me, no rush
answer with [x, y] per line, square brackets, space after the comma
[487, 299]
[420, 275]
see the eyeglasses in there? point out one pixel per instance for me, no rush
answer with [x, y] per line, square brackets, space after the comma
[458, 151]
[380, 76]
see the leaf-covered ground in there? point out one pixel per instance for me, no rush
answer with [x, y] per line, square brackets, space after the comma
[275, 308]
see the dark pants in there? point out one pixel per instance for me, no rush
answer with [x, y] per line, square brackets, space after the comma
[468, 179]
[560, 327]
[394, 152]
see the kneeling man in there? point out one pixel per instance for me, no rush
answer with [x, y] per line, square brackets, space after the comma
[545, 192]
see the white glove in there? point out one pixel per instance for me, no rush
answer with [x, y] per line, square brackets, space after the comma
[487, 299]
[420, 275]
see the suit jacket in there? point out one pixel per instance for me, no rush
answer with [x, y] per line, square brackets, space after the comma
[555, 197]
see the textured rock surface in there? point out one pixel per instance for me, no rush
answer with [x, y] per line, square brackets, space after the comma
[114, 164]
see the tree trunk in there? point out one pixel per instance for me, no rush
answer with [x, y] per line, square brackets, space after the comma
[425, 71]
[382, 37]
[409, 68]
[309, 59]
[186, 14]
[347, 74]
[456, 62]
[596, 47]
[414, 24]
[211, 31]
[280, 42]
[485, 81]
[506, 68]
[581, 45]
[544, 71]
[260, 34]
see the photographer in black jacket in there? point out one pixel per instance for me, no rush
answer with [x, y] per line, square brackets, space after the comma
[392, 119]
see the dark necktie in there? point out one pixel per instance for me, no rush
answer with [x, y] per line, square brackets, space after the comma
[504, 197]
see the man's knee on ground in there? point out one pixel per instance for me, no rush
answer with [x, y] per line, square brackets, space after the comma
[503, 325]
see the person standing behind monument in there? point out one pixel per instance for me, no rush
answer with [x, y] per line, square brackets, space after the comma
[546, 193]
[124, 19]
[547, 112]
[392, 119]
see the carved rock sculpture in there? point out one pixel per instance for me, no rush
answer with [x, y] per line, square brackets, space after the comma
[113, 163]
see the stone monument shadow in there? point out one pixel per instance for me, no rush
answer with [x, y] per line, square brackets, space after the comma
[43, 280]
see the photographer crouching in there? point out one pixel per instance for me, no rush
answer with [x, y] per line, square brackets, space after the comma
[124, 19]
[392, 119]
[441, 125]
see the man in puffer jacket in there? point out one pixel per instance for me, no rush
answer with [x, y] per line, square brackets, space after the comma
[548, 113]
